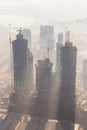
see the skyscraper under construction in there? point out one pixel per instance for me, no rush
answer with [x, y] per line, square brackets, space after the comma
[66, 105]
[43, 87]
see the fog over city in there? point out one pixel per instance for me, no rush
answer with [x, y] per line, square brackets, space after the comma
[43, 64]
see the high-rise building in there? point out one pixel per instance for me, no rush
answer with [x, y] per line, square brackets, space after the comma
[58, 52]
[66, 104]
[85, 74]
[23, 65]
[20, 47]
[46, 32]
[27, 36]
[47, 40]
[67, 36]
[44, 76]
[23, 73]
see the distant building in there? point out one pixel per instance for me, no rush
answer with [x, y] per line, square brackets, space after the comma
[46, 32]
[58, 53]
[44, 76]
[27, 36]
[85, 74]
[47, 40]
[66, 105]
[67, 36]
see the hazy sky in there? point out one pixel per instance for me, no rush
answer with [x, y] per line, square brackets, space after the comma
[28, 10]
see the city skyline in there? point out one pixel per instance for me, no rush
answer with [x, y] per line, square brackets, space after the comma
[45, 102]
[43, 62]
